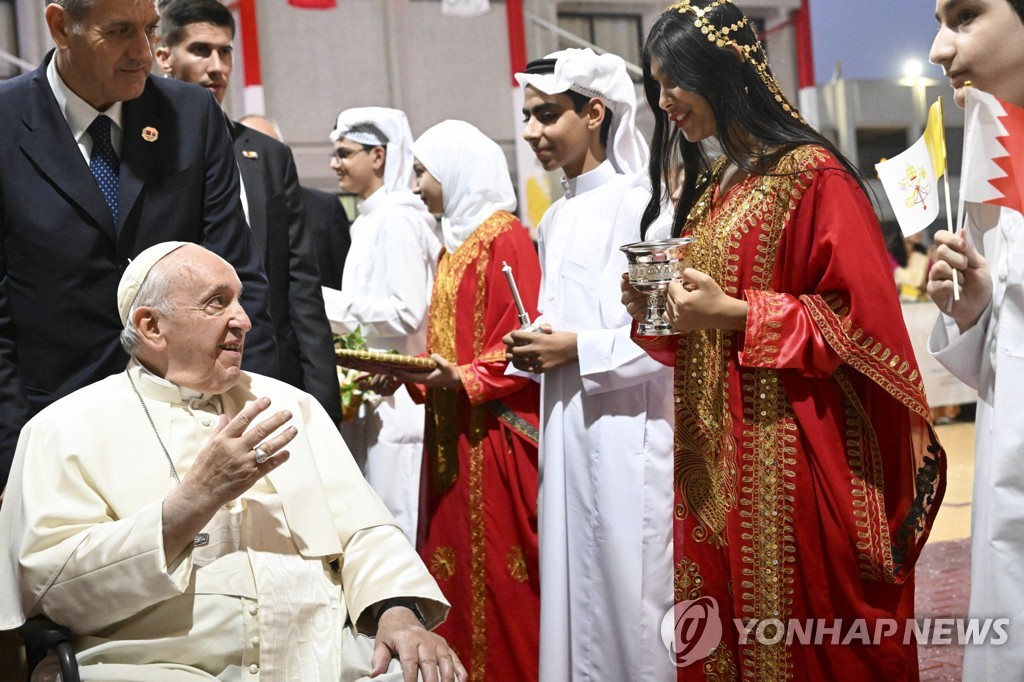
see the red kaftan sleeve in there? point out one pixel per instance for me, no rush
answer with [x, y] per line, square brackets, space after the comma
[484, 377]
[832, 288]
[661, 348]
[780, 334]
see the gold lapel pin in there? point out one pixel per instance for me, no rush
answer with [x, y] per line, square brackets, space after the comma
[249, 154]
[149, 134]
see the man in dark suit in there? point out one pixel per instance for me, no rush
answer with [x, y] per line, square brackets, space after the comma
[326, 220]
[196, 47]
[328, 223]
[99, 162]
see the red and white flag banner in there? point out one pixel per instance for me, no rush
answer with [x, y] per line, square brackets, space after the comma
[313, 4]
[993, 162]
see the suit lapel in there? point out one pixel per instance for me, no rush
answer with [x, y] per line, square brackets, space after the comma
[251, 169]
[140, 146]
[55, 153]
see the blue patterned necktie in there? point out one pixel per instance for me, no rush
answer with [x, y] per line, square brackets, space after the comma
[104, 163]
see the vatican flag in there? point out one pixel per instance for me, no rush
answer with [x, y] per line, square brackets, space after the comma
[911, 179]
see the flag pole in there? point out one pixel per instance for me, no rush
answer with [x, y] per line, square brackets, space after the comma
[945, 183]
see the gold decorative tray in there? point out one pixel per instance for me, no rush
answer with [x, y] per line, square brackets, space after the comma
[384, 360]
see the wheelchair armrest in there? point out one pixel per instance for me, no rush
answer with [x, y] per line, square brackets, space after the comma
[40, 635]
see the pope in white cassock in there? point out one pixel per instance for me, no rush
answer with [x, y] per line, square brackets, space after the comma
[184, 530]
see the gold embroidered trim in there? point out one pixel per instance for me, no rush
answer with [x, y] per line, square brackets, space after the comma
[442, 563]
[478, 553]
[493, 355]
[766, 513]
[720, 666]
[471, 382]
[874, 558]
[866, 355]
[761, 344]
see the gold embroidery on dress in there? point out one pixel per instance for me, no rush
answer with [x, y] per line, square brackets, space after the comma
[471, 381]
[866, 355]
[442, 402]
[720, 666]
[706, 467]
[478, 554]
[874, 547]
[688, 580]
[495, 355]
[442, 405]
[442, 563]
[516, 561]
[441, 339]
[766, 513]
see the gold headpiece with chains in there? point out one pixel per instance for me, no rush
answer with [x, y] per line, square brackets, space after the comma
[754, 54]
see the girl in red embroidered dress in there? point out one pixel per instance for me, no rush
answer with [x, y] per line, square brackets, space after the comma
[807, 472]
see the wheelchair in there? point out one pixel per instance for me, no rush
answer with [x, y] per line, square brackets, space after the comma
[41, 635]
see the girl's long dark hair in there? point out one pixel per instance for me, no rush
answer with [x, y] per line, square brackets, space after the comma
[742, 104]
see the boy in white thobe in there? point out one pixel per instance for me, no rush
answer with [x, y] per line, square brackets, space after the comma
[980, 338]
[389, 274]
[606, 414]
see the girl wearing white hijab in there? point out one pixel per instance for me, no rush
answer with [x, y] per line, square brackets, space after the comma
[388, 272]
[478, 528]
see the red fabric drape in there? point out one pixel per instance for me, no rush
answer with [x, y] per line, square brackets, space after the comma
[313, 4]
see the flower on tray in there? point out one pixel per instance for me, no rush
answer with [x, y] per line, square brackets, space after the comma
[353, 395]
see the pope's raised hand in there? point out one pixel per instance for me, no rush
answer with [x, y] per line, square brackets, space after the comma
[226, 467]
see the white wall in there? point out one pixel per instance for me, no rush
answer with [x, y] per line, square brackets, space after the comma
[406, 53]
[396, 53]
[401, 53]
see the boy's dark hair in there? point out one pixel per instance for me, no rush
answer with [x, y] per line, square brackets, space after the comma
[177, 15]
[579, 100]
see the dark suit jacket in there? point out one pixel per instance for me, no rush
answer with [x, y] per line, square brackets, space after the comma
[328, 226]
[276, 216]
[60, 261]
